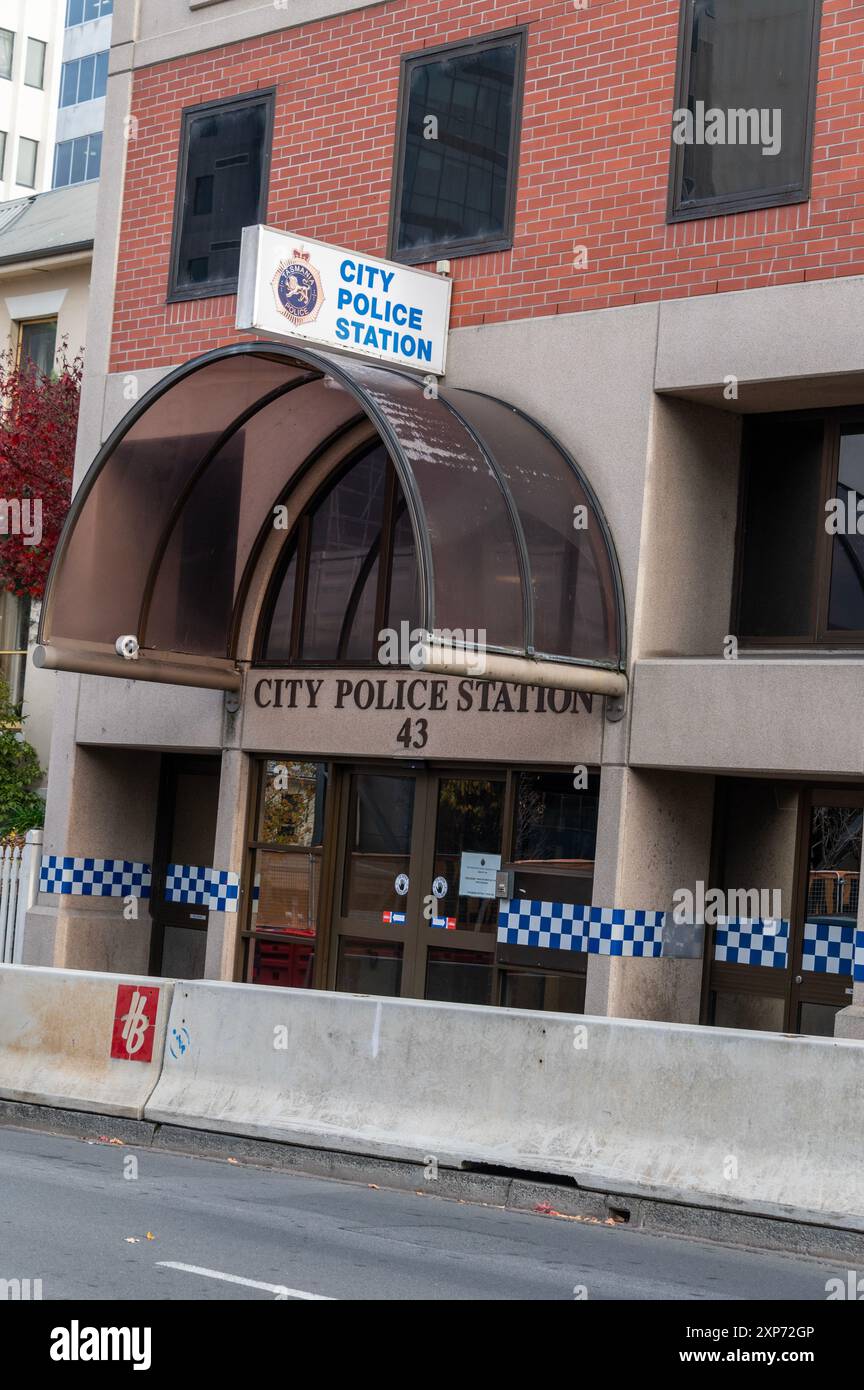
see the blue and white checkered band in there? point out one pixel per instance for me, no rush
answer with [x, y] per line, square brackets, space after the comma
[829, 947]
[858, 965]
[216, 889]
[94, 878]
[746, 941]
[603, 931]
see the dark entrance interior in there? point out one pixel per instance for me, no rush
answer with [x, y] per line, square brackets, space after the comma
[819, 835]
[185, 835]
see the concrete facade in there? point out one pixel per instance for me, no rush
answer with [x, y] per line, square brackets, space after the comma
[634, 381]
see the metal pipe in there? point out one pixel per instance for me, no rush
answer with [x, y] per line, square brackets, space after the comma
[144, 668]
[520, 670]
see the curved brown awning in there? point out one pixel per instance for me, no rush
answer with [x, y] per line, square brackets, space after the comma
[167, 525]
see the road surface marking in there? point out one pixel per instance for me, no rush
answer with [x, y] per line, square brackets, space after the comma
[249, 1283]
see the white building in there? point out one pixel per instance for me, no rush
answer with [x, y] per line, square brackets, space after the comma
[31, 54]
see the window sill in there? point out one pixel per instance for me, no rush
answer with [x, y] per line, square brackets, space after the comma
[224, 291]
[425, 255]
[731, 207]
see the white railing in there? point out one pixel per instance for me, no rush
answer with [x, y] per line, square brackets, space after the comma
[19, 885]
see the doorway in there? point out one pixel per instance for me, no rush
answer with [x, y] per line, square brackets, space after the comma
[820, 838]
[415, 909]
[185, 837]
[378, 877]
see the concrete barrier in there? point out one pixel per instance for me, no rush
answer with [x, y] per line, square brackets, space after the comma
[81, 1040]
[742, 1120]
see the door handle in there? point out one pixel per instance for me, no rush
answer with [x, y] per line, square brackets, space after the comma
[798, 979]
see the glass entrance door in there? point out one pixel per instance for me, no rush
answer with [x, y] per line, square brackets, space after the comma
[415, 911]
[377, 900]
[462, 852]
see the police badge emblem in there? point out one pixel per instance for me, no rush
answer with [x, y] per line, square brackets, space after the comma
[297, 288]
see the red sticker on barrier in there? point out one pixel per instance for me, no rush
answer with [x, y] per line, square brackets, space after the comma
[134, 1022]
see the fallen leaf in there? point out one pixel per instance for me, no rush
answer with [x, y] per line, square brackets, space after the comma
[150, 1235]
[234, 1160]
[374, 1186]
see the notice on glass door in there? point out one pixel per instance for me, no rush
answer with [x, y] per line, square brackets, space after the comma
[477, 875]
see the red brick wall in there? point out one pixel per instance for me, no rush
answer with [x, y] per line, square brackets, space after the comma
[593, 169]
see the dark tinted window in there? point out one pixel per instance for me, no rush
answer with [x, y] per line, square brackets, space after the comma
[359, 562]
[458, 150]
[222, 189]
[344, 546]
[746, 83]
[782, 517]
[801, 544]
[555, 821]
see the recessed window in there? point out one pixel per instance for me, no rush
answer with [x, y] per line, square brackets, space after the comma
[37, 344]
[457, 150]
[7, 52]
[349, 570]
[801, 537]
[221, 188]
[34, 68]
[28, 151]
[2, 154]
[77, 161]
[81, 11]
[741, 129]
[84, 79]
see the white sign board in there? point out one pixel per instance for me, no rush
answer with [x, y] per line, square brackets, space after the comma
[294, 287]
[477, 875]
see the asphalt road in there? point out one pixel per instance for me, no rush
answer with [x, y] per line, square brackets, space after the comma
[70, 1217]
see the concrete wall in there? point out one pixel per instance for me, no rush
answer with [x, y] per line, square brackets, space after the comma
[58, 1039]
[761, 714]
[104, 807]
[654, 837]
[739, 1120]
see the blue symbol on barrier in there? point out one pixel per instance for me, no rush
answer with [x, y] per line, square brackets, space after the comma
[180, 1042]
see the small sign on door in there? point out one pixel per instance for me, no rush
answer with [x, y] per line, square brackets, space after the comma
[477, 875]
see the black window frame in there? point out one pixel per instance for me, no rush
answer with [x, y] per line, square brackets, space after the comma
[819, 637]
[264, 96]
[473, 246]
[723, 204]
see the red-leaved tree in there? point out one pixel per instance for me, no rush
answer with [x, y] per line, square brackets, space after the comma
[38, 424]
